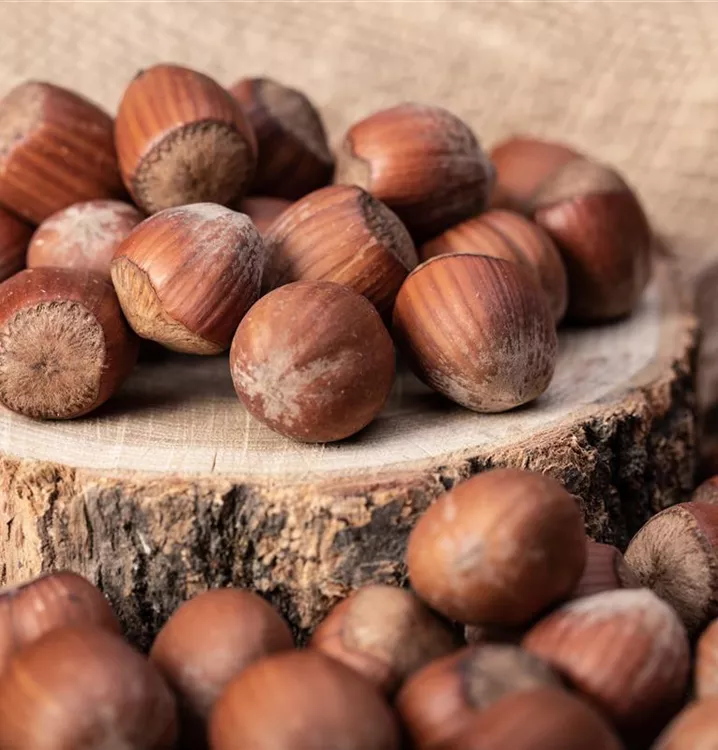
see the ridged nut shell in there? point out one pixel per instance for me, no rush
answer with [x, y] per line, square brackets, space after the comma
[14, 238]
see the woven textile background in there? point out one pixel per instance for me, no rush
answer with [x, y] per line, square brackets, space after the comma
[635, 83]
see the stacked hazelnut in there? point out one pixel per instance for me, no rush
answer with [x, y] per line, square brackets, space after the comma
[203, 220]
[568, 647]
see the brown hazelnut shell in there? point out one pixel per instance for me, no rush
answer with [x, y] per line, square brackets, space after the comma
[707, 491]
[84, 236]
[263, 210]
[695, 728]
[422, 161]
[313, 361]
[181, 138]
[510, 236]
[341, 234]
[304, 700]
[14, 238]
[64, 346]
[84, 688]
[294, 156]
[56, 149]
[605, 570]
[706, 663]
[498, 548]
[478, 330]
[186, 276]
[384, 633]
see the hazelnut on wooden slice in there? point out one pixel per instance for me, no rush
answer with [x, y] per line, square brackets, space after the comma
[384, 633]
[605, 570]
[706, 665]
[186, 276]
[85, 236]
[341, 234]
[478, 330]
[498, 548]
[441, 700]
[544, 719]
[294, 156]
[56, 149]
[302, 700]
[695, 728]
[50, 602]
[181, 138]
[313, 361]
[522, 165]
[676, 554]
[207, 642]
[64, 346]
[508, 235]
[603, 235]
[84, 688]
[14, 238]
[263, 210]
[423, 162]
[625, 650]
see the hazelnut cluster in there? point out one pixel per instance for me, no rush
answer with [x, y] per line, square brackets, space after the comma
[208, 219]
[572, 646]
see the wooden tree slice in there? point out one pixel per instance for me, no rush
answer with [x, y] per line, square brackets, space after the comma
[173, 487]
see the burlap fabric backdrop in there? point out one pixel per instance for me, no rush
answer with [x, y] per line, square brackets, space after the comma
[633, 83]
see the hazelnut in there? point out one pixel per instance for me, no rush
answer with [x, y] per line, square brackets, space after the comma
[605, 570]
[181, 138]
[237, 628]
[423, 162]
[625, 650]
[676, 554]
[498, 548]
[384, 633]
[542, 719]
[84, 688]
[522, 165]
[186, 276]
[305, 700]
[603, 235]
[64, 346]
[313, 361]
[85, 235]
[294, 156]
[52, 601]
[341, 234]
[695, 728]
[263, 210]
[478, 330]
[706, 492]
[706, 668]
[56, 149]
[14, 238]
[441, 700]
[508, 235]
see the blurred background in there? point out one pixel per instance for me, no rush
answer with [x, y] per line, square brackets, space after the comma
[633, 83]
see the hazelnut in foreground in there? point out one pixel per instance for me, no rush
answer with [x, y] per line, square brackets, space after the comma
[313, 361]
[510, 236]
[263, 210]
[207, 642]
[478, 330]
[181, 138]
[675, 553]
[499, 548]
[84, 688]
[64, 346]
[695, 728]
[341, 234]
[14, 238]
[186, 276]
[56, 149]
[294, 156]
[440, 702]
[47, 603]
[83, 236]
[305, 700]
[605, 570]
[423, 162]
[384, 633]
[625, 650]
